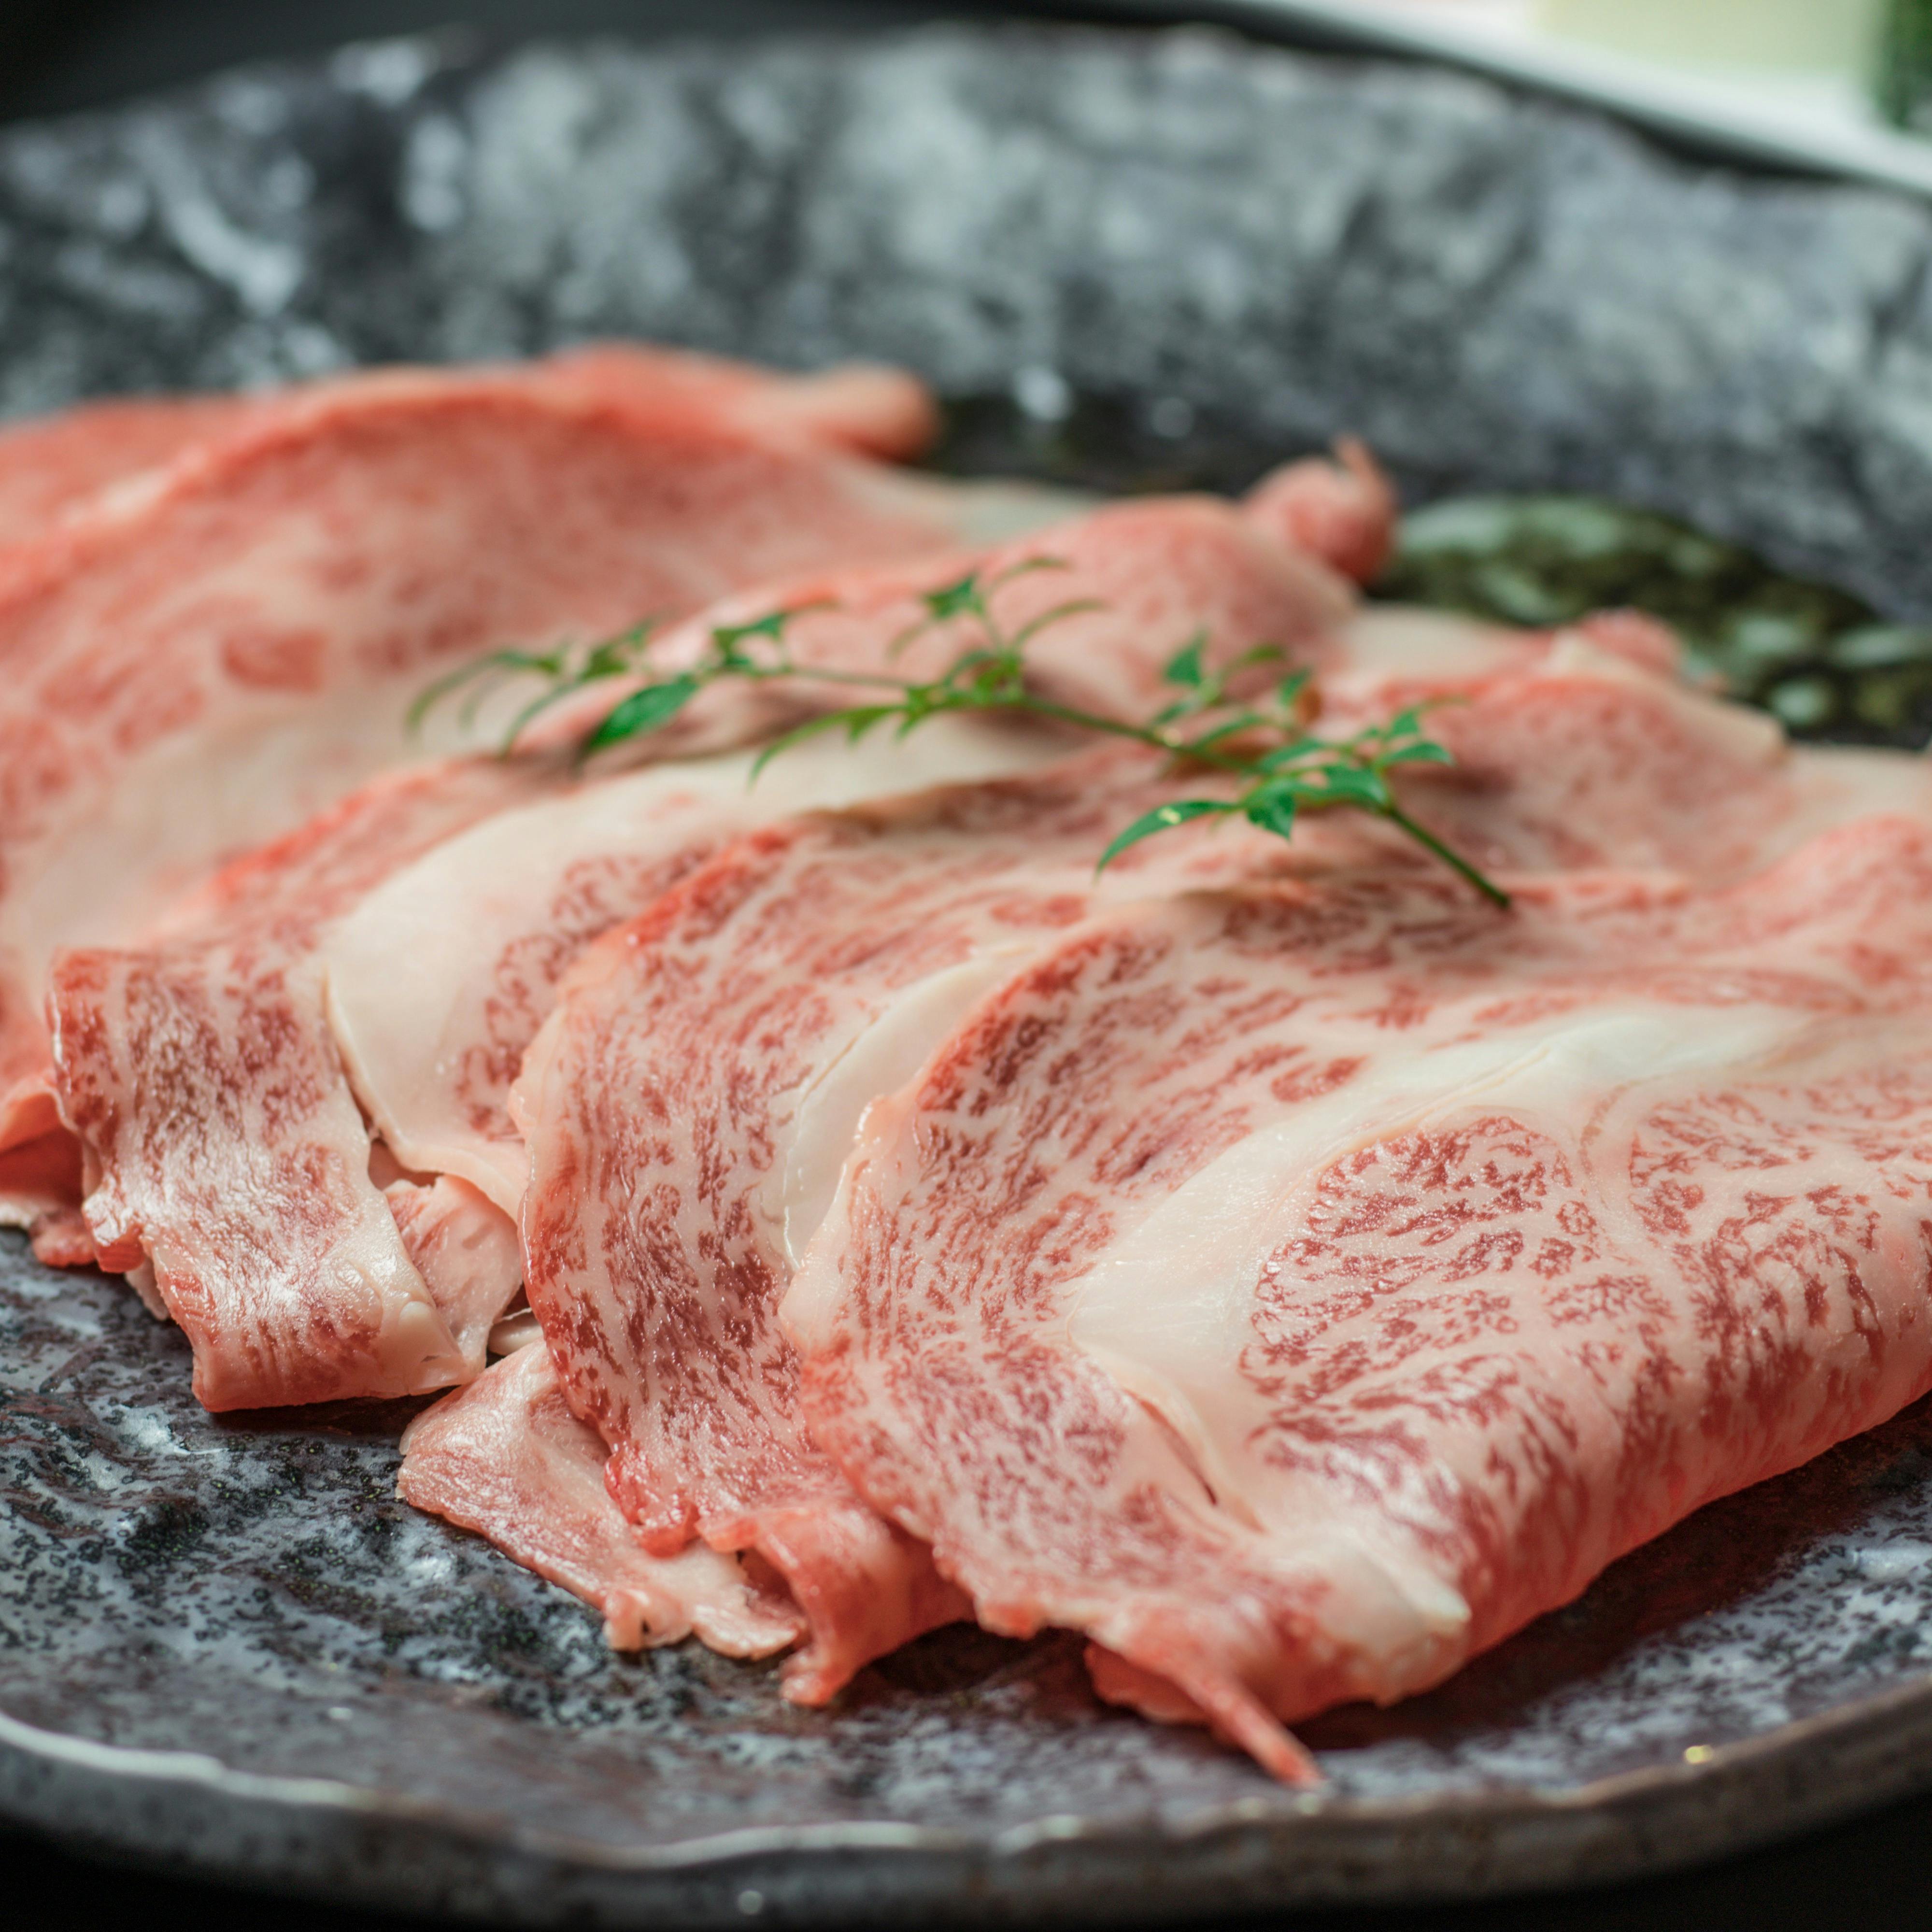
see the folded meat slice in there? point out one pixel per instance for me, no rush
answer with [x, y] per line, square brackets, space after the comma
[869, 409]
[1297, 1289]
[224, 1144]
[1344, 512]
[688, 1104]
[466, 1251]
[224, 1151]
[204, 660]
[505, 1457]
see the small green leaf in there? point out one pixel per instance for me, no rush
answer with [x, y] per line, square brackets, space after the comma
[1261, 654]
[955, 600]
[1424, 751]
[1297, 751]
[1163, 818]
[728, 639]
[1345, 785]
[618, 653]
[1184, 668]
[1273, 808]
[1288, 693]
[644, 710]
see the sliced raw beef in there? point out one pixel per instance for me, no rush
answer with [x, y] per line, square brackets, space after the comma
[226, 1161]
[431, 1019]
[488, 923]
[439, 978]
[52, 465]
[1124, 587]
[224, 1146]
[1343, 512]
[689, 1105]
[1297, 1290]
[505, 1457]
[210, 657]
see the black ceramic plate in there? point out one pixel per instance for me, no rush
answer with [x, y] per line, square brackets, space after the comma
[1137, 261]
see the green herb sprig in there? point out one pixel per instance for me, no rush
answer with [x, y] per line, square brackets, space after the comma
[1286, 768]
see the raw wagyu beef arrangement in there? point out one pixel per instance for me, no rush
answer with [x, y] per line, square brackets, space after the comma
[895, 1051]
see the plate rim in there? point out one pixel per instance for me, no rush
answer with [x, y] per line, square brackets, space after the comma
[1624, 1826]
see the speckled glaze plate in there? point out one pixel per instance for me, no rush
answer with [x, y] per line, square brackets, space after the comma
[1134, 260]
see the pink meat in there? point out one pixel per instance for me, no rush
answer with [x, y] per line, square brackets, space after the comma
[204, 662]
[1297, 1290]
[506, 1457]
[213, 1182]
[1145, 575]
[223, 1148]
[492, 920]
[867, 409]
[1344, 512]
[687, 1107]
[50, 466]
[1582, 749]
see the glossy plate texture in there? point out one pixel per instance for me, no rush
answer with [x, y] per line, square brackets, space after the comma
[1141, 260]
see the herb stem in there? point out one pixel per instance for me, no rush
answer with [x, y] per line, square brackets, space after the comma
[1454, 860]
[1118, 727]
[1290, 773]
[859, 680]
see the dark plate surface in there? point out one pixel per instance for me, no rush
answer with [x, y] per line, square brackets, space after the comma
[1143, 262]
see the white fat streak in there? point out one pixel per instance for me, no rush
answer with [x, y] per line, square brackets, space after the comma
[124, 850]
[1385, 643]
[410, 972]
[1167, 1312]
[824, 1116]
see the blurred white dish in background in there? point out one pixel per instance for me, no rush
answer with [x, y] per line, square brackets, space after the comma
[1813, 59]
[1782, 83]
[1825, 36]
